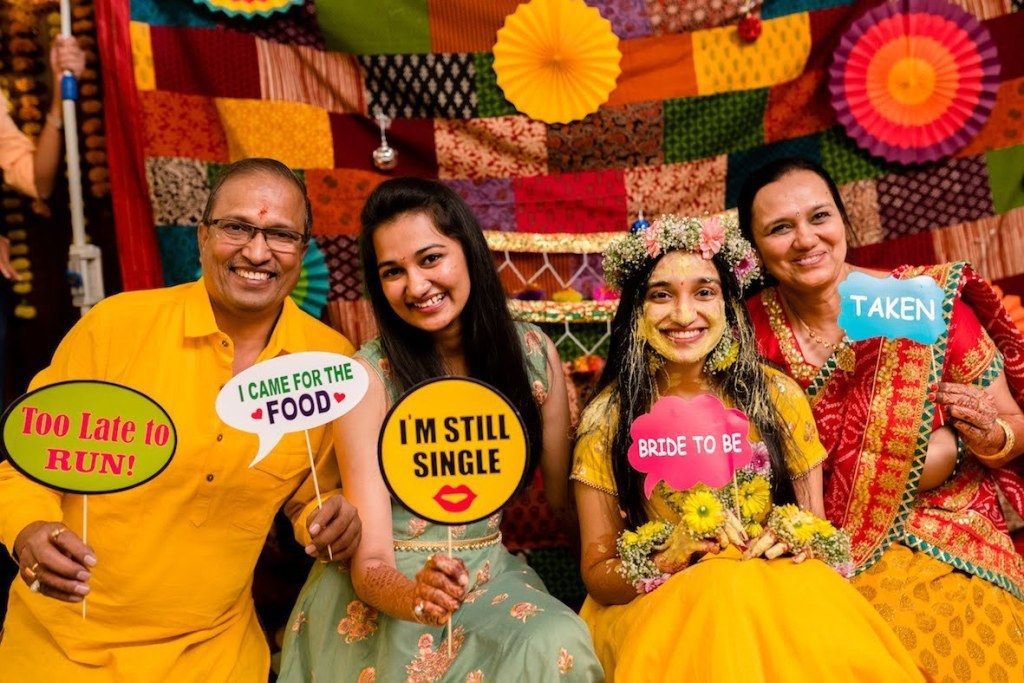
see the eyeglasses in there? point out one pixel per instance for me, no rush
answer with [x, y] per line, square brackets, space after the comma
[240, 232]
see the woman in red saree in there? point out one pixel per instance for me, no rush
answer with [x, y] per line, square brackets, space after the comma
[919, 437]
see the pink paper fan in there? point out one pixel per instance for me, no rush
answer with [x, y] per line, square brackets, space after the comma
[914, 80]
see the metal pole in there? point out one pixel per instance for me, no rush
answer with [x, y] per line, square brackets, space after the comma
[85, 272]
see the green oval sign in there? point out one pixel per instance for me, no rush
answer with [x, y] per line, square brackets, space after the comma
[87, 436]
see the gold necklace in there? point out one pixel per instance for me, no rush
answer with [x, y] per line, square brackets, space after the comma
[846, 357]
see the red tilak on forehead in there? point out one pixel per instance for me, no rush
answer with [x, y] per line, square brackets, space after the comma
[263, 212]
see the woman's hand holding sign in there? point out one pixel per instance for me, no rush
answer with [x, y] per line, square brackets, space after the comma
[54, 561]
[440, 587]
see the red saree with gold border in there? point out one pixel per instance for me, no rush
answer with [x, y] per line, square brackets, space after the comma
[875, 422]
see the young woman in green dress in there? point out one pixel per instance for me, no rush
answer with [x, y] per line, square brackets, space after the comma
[441, 310]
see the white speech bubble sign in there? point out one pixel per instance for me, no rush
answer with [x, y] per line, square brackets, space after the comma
[291, 393]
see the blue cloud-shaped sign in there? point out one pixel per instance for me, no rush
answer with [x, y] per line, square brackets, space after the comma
[876, 307]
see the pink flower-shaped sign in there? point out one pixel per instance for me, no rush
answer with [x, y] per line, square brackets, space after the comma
[685, 443]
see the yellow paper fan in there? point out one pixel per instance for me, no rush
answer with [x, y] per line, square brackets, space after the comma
[556, 60]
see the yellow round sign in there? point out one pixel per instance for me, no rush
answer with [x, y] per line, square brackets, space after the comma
[453, 450]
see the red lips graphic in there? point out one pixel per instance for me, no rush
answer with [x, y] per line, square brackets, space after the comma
[456, 499]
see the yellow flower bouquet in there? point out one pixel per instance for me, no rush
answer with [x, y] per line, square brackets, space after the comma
[635, 548]
[741, 514]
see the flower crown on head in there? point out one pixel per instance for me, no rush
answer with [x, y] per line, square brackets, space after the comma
[706, 236]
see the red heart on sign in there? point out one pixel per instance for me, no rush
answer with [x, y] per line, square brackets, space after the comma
[257, 414]
[339, 397]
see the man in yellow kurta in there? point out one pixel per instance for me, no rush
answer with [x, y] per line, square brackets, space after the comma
[168, 569]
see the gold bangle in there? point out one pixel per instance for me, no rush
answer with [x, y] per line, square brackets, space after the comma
[1011, 441]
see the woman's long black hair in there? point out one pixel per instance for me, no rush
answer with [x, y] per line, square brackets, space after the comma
[631, 385]
[491, 344]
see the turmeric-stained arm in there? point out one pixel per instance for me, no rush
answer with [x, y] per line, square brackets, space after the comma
[809, 492]
[600, 526]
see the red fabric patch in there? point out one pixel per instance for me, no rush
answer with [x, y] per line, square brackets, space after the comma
[200, 61]
[798, 107]
[917, 249]
[355, 138]
[591, 201]
[828, 26]
[337, 197]
[1006, 32]
[1011, 285]
[176, 125]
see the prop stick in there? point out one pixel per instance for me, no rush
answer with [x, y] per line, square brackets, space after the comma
[85, 534]
[292, 393]
[475, 418]
[316, 484]
[83, 258]
[449, 618]
[141, 432]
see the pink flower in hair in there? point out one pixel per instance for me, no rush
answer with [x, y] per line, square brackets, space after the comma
[746, 265]
[651, 241]
[712, 236]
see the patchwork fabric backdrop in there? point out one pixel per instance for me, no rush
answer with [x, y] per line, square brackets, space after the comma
[693, 112]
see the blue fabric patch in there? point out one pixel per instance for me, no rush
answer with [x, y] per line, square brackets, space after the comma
[172, 13]
[742, 164]
[179, 253]
[780, 8]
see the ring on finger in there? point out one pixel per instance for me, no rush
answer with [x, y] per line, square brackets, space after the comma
[417, 612]
[31, 571]
[34, 587]
[57, 531]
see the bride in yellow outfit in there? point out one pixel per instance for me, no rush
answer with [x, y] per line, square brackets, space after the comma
[695, 585]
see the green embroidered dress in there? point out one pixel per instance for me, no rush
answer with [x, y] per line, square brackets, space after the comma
[508, 629]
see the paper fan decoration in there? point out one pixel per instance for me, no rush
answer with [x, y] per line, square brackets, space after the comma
[914, 80]
[556, 60]
[249, 9]
[310, 293]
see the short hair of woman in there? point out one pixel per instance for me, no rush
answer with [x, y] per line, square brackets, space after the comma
[771, 172]
[490, 342]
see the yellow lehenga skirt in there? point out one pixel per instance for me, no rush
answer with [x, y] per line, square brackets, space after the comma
[956, 627]
[727, 619]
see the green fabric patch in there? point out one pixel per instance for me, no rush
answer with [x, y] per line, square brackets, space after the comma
[559, 569]
[380, 27]
[1006, 177]
[846, 162]
[179, 253]
[490, 99]
[214, 169]
[698, 127]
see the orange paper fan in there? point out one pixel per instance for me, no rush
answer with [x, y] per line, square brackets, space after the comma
[556, 60]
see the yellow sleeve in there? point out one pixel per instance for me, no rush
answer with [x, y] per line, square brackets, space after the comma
[81, 355]
[805, 452]
[591, 463]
